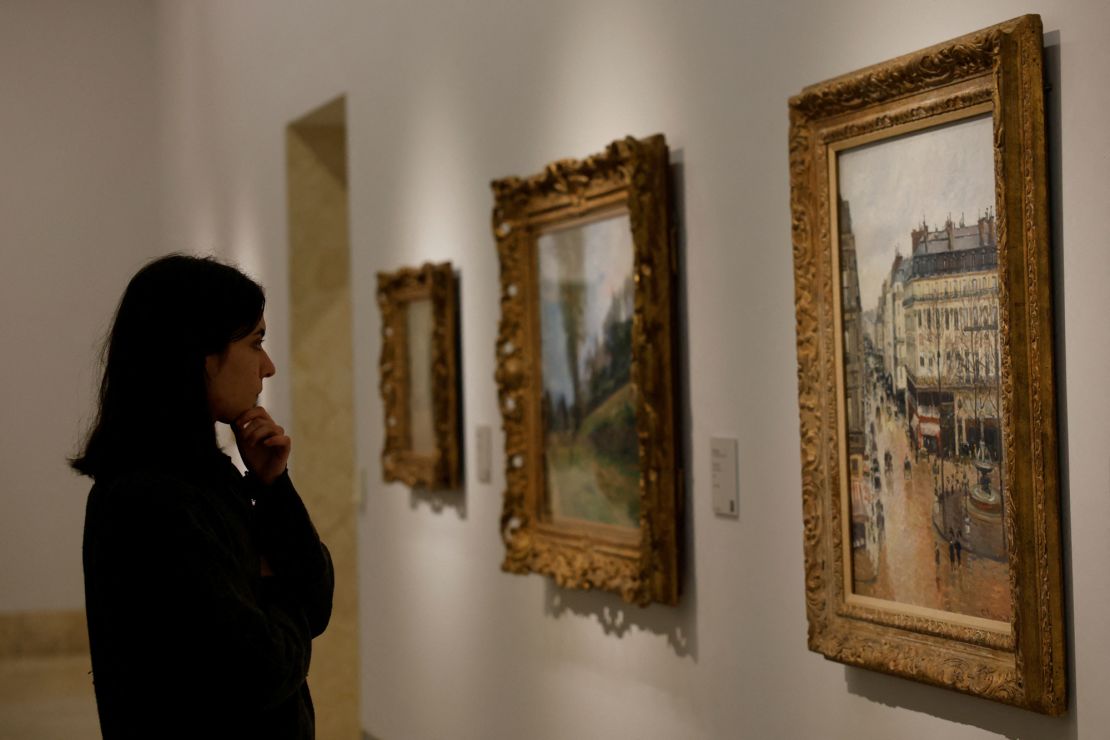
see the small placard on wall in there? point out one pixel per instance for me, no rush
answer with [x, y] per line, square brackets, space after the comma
[724, 475]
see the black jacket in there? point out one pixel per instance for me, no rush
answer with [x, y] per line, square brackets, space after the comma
[188, 640]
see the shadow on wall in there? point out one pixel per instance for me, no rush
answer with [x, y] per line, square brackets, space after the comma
[438, 501]
[455, 499]
[959, 708]
[676, 623]
[1053, 108]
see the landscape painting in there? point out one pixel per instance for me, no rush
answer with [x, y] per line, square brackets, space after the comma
[590, 445]
[419, 330]
[418, 376]
[919, 313]
[586, 381]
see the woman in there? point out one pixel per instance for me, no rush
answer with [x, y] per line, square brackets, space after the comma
[203, 587]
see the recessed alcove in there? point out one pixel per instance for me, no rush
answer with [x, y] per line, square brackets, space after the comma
[322, 388]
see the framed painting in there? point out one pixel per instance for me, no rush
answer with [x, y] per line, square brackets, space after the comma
[925, 367]
[586, 373]
[419, 380]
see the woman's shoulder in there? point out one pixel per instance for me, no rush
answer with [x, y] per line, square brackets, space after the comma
[151, 479]
[146, 491]
[153, 503]
[139, 482]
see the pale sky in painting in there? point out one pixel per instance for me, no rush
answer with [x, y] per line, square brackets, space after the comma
[891, 185]
[605, 265]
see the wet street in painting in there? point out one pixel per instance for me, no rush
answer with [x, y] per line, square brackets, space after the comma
[903, 557]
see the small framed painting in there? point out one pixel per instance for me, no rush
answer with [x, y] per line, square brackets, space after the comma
[419, 383]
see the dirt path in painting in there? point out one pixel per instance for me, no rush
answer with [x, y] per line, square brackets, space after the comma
[582, 483]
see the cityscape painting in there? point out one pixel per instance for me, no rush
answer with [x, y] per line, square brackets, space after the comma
[591, 453]
[923, 300]
[919, 309]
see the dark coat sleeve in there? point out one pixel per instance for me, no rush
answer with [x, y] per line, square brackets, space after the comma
[301, 563]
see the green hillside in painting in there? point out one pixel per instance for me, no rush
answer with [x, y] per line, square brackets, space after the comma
[594, 473]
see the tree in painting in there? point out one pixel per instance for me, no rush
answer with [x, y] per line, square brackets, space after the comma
[591, 448]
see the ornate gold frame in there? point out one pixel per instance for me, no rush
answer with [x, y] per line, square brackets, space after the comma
[399, 461]
[998, 69]
[641, 565]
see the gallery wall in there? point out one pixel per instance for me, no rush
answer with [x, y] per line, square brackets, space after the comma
[78, 214]
[442, 98]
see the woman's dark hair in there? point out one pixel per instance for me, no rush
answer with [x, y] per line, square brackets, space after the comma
[153, 403]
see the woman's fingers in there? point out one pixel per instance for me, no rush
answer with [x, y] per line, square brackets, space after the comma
[252, 418]
[251, 415]
[278, 440]
[260, 431]
[256, 424]
[255, 436]
[262, 442]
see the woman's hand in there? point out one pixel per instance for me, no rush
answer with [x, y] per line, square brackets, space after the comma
[263, 444]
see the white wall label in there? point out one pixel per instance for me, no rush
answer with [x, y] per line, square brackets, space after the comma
[484, 452]
[726, 493]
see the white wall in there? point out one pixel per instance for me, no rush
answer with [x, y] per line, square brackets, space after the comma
[77, 217]
[443, 97]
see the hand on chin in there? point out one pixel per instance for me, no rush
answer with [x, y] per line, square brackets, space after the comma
[263, 443]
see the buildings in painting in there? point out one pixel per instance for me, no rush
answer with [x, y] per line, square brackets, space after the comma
[852, 320]
[929, 348]
[890, 326]
[854, 369]
[945, 356]
[936, 333]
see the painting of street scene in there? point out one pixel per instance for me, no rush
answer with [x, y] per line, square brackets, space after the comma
[591, 454]
[923, 413]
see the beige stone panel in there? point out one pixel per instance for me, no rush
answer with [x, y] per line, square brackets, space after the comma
[322, 393]
[24, 634]
[47, 698]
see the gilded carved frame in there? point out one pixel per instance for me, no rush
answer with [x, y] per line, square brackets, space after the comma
[641, 565]
[441, 468]
[998, 69]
